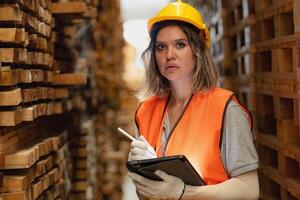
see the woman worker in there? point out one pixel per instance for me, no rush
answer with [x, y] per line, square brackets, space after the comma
[183, 112]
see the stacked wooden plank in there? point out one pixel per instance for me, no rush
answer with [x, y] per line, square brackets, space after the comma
[108, 74]
[63, 161]
[229, 25]
[212, 13]
[33, 172]
[215, 25]
[26, 73]
[68, 25]
[42, 73]
[275, 63]
[25, 61]
[32, 86]
[238, 16]
[111, 160]
[85, 154]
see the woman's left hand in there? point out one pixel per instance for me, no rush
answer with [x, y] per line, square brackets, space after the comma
[170, 188]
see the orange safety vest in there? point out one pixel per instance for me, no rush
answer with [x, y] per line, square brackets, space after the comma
[197, 134]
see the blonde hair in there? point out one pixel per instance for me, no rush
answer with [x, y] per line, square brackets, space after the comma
[205, 76]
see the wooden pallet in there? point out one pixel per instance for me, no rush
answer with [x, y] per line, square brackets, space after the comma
[281, 169]
[276, 21]
[276, 84]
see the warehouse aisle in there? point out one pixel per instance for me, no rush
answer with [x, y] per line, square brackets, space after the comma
[70, 72]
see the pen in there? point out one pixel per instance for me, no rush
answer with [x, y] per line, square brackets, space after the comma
[126, 134]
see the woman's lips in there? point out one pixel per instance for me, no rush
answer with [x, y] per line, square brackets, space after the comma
[171, 67]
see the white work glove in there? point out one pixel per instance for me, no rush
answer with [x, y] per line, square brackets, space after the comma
[141, 149]
[170, 188]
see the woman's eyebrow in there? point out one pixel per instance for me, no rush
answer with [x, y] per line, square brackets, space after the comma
[181, 39]
[176, 40]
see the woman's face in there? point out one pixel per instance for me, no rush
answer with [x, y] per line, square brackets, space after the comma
[173, 54]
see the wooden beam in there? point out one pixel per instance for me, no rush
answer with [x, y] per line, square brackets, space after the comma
[39, 58]
[24, 195]
[22, 159]
[16, 137]
[14, 117]
[15, 183]
[16, 96]
[10, 98]
[9, 77]
[13, 55]
[10, 118]
[69, 79]
[49, 162]
[13, 35]
[37, 189]
[25, 158]
[35, 94]
[11, 13]
[33, 112]
[59, 140]
[69, 8]
[61, 93]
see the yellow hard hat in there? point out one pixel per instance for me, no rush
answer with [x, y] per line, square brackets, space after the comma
[182, 12]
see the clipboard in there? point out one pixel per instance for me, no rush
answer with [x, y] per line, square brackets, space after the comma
[178, 166]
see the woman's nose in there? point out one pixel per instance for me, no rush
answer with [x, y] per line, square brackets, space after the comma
[170, 53]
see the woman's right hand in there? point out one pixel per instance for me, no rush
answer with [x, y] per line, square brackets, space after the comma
[141, 149]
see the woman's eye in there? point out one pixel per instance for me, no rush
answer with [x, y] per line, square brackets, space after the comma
[160, 47]
[180, 45]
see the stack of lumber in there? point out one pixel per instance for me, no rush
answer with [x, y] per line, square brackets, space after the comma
[38, 95]
[274, 62]
[58, 58]
[238, 16]
[111, 159]
[25, 61]
[108, 75]
[85, 152]
[212, 14]
[27, 80]
[34, 172]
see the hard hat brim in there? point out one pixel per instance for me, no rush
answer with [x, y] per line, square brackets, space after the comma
[152, 21]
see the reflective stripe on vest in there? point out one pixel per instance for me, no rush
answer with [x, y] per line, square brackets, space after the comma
[197, 134]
